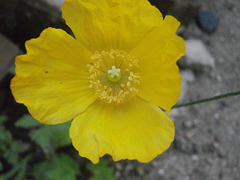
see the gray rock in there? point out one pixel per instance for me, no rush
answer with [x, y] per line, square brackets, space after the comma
[187, 77]
[21, 20]
[7, 15]
[56, 3]
[8, 51]
[197, 56]
[184, 89]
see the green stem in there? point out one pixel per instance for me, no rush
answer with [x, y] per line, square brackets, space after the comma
[208, 99]
[20, 166]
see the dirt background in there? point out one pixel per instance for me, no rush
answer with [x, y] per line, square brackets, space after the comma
[207, 142]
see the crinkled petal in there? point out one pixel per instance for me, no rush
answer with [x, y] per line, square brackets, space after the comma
[158, 53]
[51, 79]
[110, 24]
[134, 130]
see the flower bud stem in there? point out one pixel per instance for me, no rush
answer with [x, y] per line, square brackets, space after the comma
[207, 99]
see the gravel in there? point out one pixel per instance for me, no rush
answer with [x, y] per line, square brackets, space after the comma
[207, 140]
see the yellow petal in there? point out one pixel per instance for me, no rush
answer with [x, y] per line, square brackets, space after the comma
[158, 53]
[51, 79]
[134, 130]
[110, 24]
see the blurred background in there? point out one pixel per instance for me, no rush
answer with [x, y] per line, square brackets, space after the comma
[207, 140]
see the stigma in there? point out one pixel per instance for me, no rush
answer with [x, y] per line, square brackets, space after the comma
[114, 74]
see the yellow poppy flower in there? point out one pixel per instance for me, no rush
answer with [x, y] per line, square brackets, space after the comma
[110, 80]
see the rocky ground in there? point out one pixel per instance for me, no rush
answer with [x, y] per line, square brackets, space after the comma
[207, 142]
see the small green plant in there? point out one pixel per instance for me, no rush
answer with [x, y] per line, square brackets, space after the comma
[18, 171]
[9, 149]
[48, 137]
[1, 166]
[27, 121]
[101, 171]
[61, 167]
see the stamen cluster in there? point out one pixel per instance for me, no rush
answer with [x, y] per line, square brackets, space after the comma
[105, 88]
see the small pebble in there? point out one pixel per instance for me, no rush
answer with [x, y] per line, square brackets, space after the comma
[216, 116]
[188, 124]
[195, 158]
[189, 135]
[216, 145]
[221, 153]
[209, 161]
[140, 171]
[155, 164]
[219, 78]
[161, 171]
[196, 122]
[117, 174]
[207, 21]
[129, 167]
[118, 166]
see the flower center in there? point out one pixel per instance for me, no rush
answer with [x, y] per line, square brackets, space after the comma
[114, 75]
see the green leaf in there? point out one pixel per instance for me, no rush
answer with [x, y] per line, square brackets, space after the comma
[9, 148]
[65, 168]
[62, 167]
[12, 154]
[19, 170]
[3, 118]
[5, 141]
[39, 170]
[50, 137]
[12, 70]
[101, 171]
[5, 138]
[23, 167]
[1, 166]
[27, 121]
